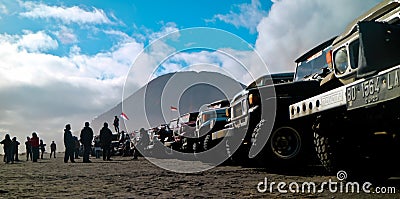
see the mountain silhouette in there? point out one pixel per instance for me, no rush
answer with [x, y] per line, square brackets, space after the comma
[151, 105]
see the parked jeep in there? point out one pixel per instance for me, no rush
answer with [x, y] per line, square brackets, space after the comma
[356, 126]
[186, 133]
[183, 129]
[260, 122]
[210, 120]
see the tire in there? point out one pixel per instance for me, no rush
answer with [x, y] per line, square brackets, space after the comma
[185, 145]
[207, 142]
[324, 149]
[363, 156]
[284, 148]
[196, 147]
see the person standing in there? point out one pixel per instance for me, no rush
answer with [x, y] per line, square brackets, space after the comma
[105, 140]
[28, 148]
[7, 149]
[42, 148]
[116, 124]
[35, 147]
[53, 148]
[97, 147]
[69, 144]
[86, 140]
[77, 147]
[15, 144]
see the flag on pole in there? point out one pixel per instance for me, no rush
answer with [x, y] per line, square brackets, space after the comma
[123, 115]
[174, 108]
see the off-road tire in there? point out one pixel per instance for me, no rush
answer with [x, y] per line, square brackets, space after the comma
[324, 149]
[207, 142]
[270, 159]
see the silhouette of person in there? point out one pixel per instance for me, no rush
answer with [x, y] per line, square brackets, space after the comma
[35, 147]
[77, 146]
[97, 147]
[7, 149]
[28, 148]
[86, 140]
[15, 144]
[127, 146]
[105, 140]
[42, 148]
[69, 144]
[53, 148]
[116, 124]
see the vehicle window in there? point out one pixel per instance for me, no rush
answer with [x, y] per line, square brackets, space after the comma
[184, 118]
[312, 65]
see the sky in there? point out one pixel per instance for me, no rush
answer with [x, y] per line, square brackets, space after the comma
[67, 61]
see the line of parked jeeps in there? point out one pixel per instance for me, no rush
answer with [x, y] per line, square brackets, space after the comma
[341, 106]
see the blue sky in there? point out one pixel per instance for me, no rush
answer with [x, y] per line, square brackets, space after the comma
[137, 19]
[67, 61]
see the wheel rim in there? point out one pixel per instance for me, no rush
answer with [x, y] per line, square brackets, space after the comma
[285, 143]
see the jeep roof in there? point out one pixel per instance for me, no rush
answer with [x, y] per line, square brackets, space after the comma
[277, 78]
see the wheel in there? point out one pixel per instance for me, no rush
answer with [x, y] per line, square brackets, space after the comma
[196, 147]
[285, 143]
[207, 142]
[283, 148]
[364, 155]
[324, 148]
[184, 147]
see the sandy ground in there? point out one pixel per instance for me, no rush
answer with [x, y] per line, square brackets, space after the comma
[126, 178]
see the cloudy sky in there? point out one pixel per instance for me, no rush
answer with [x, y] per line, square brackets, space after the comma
[67, 61]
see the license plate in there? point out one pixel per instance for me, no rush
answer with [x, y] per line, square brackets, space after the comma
[374, 90]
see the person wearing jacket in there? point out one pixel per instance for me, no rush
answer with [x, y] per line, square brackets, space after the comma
[86, 140]
[7, 149]
[14, 147]
[105, 140]
[35, 147]
[69, 144]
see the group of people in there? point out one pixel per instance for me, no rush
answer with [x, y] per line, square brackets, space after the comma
[10, 149]
[33, 147]
[86, 137]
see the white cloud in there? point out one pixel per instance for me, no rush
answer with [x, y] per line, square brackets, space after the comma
[3, 9]
[244, 15]
[68, 15]
[66, 35]
[29, 41]
[293, 27]
[42, 92]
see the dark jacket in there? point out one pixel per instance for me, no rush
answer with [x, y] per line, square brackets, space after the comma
[68, 139]
[105, 136]
[6, 143]
[86, 136]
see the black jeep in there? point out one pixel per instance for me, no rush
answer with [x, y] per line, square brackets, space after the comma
[261, 128]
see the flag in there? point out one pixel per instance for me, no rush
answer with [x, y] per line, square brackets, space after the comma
[174, 108]
[123, 115]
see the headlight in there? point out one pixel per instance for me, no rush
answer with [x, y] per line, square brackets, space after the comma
[253, 99]
[227, 111]
[341, 62]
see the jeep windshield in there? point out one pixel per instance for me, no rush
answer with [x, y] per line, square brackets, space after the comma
[313, 62]
[271, 79]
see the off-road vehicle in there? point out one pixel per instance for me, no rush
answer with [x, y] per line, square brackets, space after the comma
[210, 120]
[356, 126]
[260, 118]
